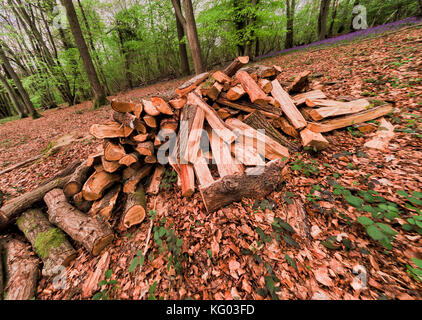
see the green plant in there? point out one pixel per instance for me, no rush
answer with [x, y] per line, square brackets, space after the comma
[378, 231]
[137, 261]
[169, 179]
[308, 169]
[416, 273]
[107, 286]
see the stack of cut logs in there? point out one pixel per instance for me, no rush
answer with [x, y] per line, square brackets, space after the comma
[217, 120]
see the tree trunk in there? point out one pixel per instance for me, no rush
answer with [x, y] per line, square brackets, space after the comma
[420, 8]
[184, 61]
[322, 19]
[49, 243]
[91, 232]
[333, 17]
[97, 89]
[290, 20]
[15, 100]
[22, 270]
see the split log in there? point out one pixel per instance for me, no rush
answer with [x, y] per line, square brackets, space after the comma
[48, 242]
[254, 183]
[21, 269]
[135, 208]
[215, 90]
[302, 97]
[178, 103]
[202, 170]
[313, 140]
[268, 111]
[80, 203]
[168, 125]
[265, 85]
[345, 121]
[287, 105]
[162, 106]
[76, 180]
[260, 71]
[130, 171]
[150, 159]
[244, 151]
[236, 65]
[94, 159]
[258, 121]
[137, 110]
[113, 151]
[236, 92]
[128, 120]
[221, 77]
[366, 127]
[10, 211]
[154, 186]
[110, 166]
[141, 137]
[121, 106]
[337, 108]
[91, 284]
[106, 204]
[150, 121]
[150, 109]
[194, 134]
[129, 159]
[130, 185]
[192, 84]
[266, 146]
[187, 178]
[221, 152]
[382, 137]
[300, 82]
[213, 119]
[95, 186]
[93, 233]
[112, 130]
[252, 88]
[223, 113]
[145, 148]
[285, 126]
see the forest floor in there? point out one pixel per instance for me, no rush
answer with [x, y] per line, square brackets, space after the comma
[236, 252]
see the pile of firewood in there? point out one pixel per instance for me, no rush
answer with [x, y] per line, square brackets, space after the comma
[217, 121]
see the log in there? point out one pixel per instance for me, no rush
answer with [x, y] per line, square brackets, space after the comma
[194, 135]
[270, 149]
[191, 84]
[130, 171]
[348, 120]
[302, 97]
[258, 121]
[202, 170]
[94, 159]
[178, 103]
[21, 269]
[135, 208]
[313, 140]
[145, 148]
[112, 130]
[243, 150]
[221, 152]
[287, 105]
[93, 233]
[300, 82]
[162, 106]
[48, 242]
[223, 113]
[255, 93]
[150, 159]
[76, 180]
[91, 284]
[154, 186]
[121, 106]
[113, 151]
[10, 211]
[150, 109]
[236, 92]
[63, 173]
[285, 126]
[169, 125]
[268, 111]
[338, 108]
[110, 166]
[265, 85]
[236, 65]
[260, 71]
[187, 178]
[80, 203]
[137, 111]
[150, 121]
[382, 137]
[366, 127]
[221, 77]
[95, 186]
[215, 91]
[130, 185]
[213, 119]
[106, 204]
[141, 137]
[128, 120]
[254, 183]
[129, 159]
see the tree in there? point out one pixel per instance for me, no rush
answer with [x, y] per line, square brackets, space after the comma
[96, 87]
[333, 18]
[189, 25]
[420, 8]
[20, 110]
[184, 62]
[322, 19]
[290, 11]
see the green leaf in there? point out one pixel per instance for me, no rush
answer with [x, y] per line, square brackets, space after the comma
[133, 264]
[102, 283]
[290, 241]
[417, 262]
[402, 193]
[387, 229]
[179, 243]
[354, 201]
[108, 274]
[365, 221]
[291, 261]
[374, 232]
[97, 296]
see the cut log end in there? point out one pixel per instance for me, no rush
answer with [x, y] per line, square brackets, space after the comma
[101, 243]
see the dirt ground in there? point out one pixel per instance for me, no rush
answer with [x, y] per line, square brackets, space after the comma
[236, 253]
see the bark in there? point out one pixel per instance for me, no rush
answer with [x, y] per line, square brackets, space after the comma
[22, 270]
[184, 61]
[93, 233]
[236, 65]
[135, 208]
[106, 205]
[77, 180]
[96, 185]
[48, 242]
[17, 103]
[322, 19]
[290, 21]
[333, 17]
[96, 87]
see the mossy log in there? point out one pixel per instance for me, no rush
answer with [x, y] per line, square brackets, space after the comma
[77, 180]
[135, 208]
[91, 232]
[21, 269]
[48, 242]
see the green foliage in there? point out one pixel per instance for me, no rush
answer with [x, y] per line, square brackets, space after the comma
[306, 168]
[169, 179]
[137, 261]
[416, 273]
[107, 286]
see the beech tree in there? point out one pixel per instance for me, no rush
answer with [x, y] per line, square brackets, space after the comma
[290, 12]
[322, 19]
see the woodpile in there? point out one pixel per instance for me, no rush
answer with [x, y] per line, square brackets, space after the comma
[227, 134]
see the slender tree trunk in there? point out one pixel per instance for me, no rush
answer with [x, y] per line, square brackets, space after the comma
[290, 20]
[18, 83]
[18, 107]
[322, 19]
[184, 61]
[97, 90]
[189, 25]
[333, 17]
[420, 8]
